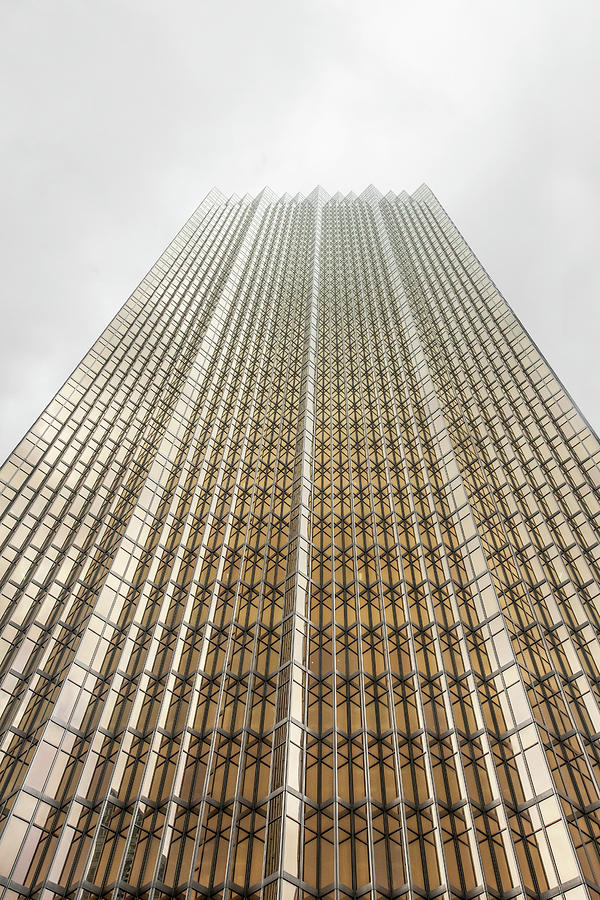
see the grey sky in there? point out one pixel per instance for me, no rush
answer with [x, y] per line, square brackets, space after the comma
[118, 117]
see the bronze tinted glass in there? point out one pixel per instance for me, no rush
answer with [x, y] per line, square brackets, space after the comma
[300, 577]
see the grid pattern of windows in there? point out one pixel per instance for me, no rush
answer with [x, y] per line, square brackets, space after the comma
[300, 581]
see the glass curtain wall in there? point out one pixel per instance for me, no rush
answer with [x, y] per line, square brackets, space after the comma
[300, 581]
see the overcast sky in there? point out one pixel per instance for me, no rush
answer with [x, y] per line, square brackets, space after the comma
[118, 117]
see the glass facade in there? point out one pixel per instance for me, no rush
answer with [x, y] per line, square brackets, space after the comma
[300, 581]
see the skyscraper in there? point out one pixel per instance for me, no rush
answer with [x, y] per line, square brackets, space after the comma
[301, 578]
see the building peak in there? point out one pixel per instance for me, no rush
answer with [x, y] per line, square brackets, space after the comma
[320, 196]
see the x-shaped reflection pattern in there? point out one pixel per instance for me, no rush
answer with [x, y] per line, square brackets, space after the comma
[300, 581]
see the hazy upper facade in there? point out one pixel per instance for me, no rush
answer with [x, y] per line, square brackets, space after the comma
[300, 577]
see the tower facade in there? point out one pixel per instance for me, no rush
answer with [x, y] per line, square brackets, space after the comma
[300, 579]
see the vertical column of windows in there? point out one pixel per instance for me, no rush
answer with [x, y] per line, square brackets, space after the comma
[175, 469]
[556, 689]
[114, 463]
[485, 525]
